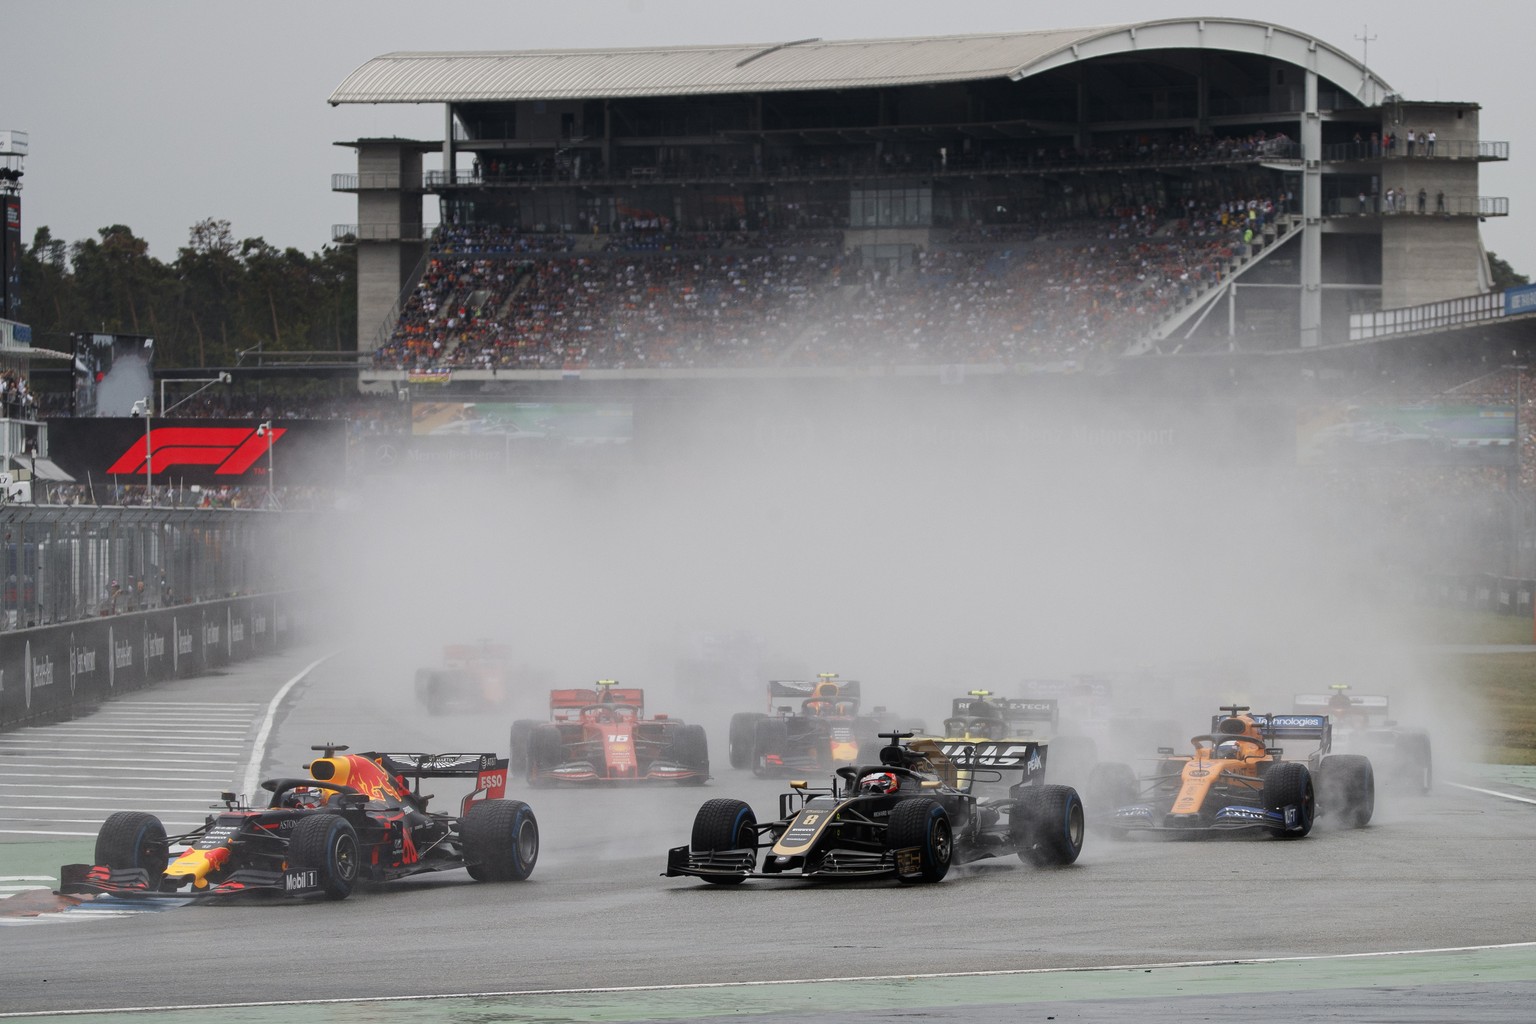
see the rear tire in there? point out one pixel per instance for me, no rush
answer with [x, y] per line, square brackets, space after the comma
[134, 839]
[1047, 824]
[1347, 787]
[742, 735]
[327, 843]
[724, 824]
[517, 747]
[501, 841]
[924, 823]
[1290, 784]
[771, 736]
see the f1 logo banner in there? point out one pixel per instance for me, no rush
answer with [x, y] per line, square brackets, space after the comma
[230, 450]
[210, 453]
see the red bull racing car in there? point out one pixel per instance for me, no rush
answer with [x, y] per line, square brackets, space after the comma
[356, 818]
[921, 808]
[1236, 779]
[602, 735]
[814, 724]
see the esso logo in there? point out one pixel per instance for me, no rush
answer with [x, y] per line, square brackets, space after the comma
[494, 780]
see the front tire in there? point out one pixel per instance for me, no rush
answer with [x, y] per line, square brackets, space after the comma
[1111, 785]
[691, 749]
[134, 840]
[546, 751]
[1289, 784]
[742, 735]
[501, 841]
[724, 824]
[924, 823]
[327, 843]
[517, 747]
[1347, 785]
[1047, 824]
[770, 737]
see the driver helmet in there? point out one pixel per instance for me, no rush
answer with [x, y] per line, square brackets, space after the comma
[1231, 750]
[304, 796]
[879, 782]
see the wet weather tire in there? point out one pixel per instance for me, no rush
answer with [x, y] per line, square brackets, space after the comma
[770, 737]
[1111, 785]
[517, 747]
[724, 824]
[327, 844]
[691, 750]
[1347, 788]
[923, 823]
[134, 839]
[501, 841]
[1047, 824]
[546, 751]
[743, 734]
[1289, 784]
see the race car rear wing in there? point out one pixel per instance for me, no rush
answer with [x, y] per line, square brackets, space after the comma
[575, 700]
[799, 689]
[1373, 705]
[1030, 709]
[1017, 755]
[488, 771]
[481, 651]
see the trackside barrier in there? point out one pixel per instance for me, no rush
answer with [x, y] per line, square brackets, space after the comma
[1506, 595]
[52, 673]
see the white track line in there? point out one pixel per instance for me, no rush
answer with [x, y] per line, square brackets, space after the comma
[259, 746]
[705, 985]
[1493, 792]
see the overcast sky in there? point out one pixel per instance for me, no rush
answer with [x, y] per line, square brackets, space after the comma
[157, 114]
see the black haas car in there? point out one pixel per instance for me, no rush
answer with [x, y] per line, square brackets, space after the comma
[920, 808]
[357, 817]
[813, 725]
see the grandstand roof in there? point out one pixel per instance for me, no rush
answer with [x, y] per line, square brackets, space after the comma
[811, 64]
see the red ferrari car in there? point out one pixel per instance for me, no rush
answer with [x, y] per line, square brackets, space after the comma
[602, 735]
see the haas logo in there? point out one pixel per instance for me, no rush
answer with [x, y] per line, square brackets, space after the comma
[233, 450]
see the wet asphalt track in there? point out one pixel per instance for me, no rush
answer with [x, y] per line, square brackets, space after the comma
[1451, 870]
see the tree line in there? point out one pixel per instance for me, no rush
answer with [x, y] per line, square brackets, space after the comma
[219, 297]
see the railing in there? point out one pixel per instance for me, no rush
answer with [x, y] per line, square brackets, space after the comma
[1468, 149]
[1430, 316]
[871, 170]
[381, 232]
[1423, 204]
[362, 181]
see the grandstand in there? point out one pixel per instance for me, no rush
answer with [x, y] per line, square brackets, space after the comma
[1031, 200]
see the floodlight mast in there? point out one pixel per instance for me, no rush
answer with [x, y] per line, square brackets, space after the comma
[145, 407]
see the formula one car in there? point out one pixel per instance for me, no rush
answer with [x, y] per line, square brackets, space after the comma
[357, 817]
[921, 808]
[1236, 779]
[473, 676]
[1362, 724]
[981, 716]
[826, 728]
[602, 735]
